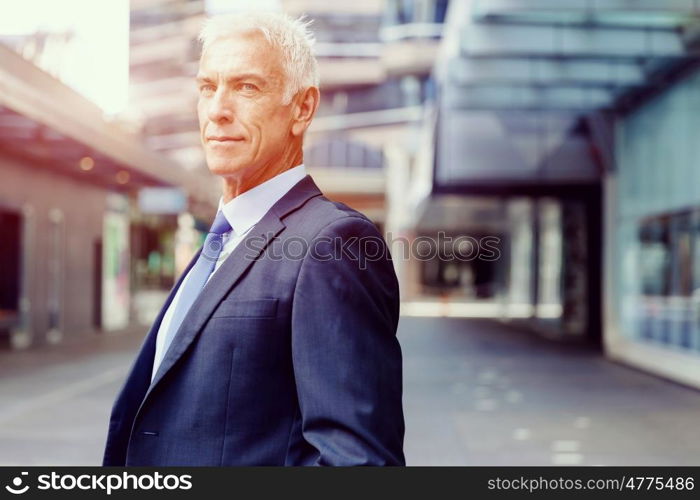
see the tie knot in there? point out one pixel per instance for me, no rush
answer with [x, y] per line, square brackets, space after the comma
[220, 224]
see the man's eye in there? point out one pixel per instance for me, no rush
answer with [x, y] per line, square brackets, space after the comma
[248, 87]
[207, 89]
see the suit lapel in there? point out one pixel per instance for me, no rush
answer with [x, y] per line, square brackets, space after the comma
[242, 257]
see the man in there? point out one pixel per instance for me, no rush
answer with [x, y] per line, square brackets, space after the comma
[277, 346]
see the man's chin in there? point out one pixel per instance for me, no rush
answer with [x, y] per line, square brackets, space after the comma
[225, 169]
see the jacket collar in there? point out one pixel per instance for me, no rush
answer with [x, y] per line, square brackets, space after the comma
[248, 208]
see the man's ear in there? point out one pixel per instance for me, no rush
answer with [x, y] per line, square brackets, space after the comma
[305, 104]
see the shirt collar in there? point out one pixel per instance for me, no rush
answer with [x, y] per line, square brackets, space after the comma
[246, 209]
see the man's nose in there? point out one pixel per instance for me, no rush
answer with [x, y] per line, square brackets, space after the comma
[220, 108]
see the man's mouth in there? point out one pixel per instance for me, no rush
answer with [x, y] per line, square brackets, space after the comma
[222, 138]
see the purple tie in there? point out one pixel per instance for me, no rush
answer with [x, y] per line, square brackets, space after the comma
[198, 276]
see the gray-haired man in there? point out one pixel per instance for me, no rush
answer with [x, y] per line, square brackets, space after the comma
[263, 355]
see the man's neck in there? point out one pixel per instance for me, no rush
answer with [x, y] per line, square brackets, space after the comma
[234, 186]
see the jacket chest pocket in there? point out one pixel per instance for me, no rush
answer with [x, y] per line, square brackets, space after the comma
[246, 308]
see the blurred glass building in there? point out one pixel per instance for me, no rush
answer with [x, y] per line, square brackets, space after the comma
[566, 129]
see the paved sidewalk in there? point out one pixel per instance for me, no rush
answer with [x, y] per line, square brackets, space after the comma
[482, 393]
[476, 393]
[55, 401]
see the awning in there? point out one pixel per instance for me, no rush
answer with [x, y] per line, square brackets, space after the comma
[44, 120]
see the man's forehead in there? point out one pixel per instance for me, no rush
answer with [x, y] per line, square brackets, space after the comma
[246, 51]
[243, 43]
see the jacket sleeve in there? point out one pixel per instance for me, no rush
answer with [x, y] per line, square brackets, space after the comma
[347, 359]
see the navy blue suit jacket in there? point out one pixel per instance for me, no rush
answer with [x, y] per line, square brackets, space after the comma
[287, 357]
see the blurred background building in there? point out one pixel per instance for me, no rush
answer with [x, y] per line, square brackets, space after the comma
[566, 128]
[532, 164]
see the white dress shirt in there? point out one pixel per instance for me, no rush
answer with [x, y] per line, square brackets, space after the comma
[242, 213]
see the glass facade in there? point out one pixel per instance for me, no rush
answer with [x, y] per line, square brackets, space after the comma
[656, 259]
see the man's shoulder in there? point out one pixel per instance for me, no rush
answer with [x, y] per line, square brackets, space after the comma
[321, 215]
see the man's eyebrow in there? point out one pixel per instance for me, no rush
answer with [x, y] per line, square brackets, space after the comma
[237, 78]
[246, 76]
[204, 78]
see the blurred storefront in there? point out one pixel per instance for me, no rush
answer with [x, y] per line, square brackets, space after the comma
[653, 233]
[69, 210]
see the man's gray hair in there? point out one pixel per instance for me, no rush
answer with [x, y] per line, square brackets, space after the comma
[291, 36]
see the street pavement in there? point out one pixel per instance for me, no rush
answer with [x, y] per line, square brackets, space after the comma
[483, 393]
[476, 392]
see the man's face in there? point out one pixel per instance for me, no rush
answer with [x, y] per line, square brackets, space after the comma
[243, 124]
